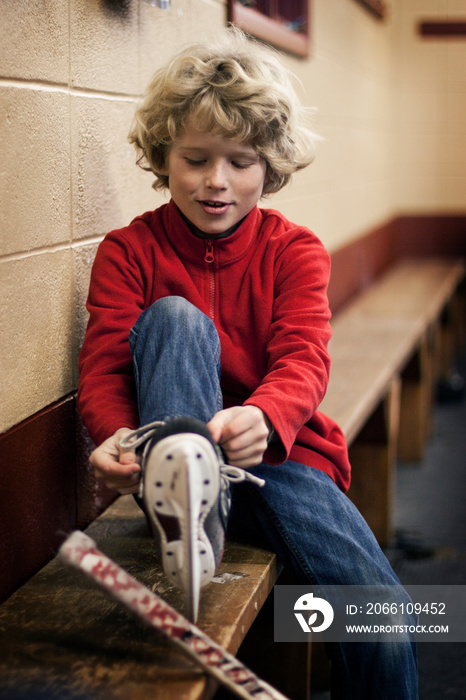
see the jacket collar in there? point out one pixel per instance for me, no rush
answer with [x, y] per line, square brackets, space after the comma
[226, 250]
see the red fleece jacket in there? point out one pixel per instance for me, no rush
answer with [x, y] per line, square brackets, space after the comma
[264, 286]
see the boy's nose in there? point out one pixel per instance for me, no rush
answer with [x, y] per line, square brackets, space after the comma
[216, 176]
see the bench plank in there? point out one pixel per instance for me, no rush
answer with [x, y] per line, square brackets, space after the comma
[413, 290]
[61, 634]
[365, 358]
[376, 335]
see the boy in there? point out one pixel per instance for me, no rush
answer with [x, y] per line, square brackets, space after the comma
[208, 328]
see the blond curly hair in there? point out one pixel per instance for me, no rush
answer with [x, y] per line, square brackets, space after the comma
[235, 88]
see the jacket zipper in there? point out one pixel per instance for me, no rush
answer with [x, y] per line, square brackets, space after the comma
[209, 259]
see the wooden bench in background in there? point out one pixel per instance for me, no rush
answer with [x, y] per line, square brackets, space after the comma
[59, 634]
[389, 347]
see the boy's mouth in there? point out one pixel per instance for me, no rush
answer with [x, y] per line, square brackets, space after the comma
[214, 206]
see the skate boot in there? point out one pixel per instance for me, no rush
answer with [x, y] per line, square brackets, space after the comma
[185, 487]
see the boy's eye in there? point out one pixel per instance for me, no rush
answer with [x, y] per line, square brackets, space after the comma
[240, 165]
[193, 161]
[237, 164]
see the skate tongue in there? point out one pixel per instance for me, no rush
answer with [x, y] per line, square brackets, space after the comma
[192, 484]
[192, 490]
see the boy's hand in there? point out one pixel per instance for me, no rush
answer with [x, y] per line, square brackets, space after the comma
[117, 471]
[242, 432]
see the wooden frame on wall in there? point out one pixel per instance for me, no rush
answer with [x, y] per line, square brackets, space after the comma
[376, 7]
[283, 23]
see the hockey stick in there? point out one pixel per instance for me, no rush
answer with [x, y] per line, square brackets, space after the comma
[81, 553]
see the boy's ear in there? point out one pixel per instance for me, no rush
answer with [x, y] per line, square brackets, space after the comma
[163, 169]
[267, 181]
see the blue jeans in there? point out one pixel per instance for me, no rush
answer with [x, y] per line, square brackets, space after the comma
[300, 514]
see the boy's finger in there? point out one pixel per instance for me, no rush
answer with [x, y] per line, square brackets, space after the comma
[217, 425]
[130, 489]
[245, 458]
[238, 441]
[116, 471]
[232, 424]
[121, 481]
[240, 433]
[128, 459]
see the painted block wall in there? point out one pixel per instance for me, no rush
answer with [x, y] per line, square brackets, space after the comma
[430, 119]
[390, 110]
[348, 81]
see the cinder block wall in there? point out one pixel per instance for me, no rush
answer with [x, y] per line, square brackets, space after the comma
[71, 74]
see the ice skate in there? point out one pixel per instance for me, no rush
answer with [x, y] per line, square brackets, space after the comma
[186, 494]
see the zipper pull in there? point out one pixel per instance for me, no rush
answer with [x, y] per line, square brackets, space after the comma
[209, 253]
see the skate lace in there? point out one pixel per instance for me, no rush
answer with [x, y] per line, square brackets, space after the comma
[142, 435]
[235, 475]
[138, 437]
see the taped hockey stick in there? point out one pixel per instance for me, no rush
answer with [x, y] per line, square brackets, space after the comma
[81, 553]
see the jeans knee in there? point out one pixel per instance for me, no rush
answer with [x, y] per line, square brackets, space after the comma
[174, 307]
[171, 311]
[176, 318]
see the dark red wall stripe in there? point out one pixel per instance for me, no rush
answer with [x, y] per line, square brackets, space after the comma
[357, 264]
[47, 489]
[443, 29]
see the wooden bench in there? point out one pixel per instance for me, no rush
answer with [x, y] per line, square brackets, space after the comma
[60, 635]
[388, 348]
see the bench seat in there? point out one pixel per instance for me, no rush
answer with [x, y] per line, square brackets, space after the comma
[60, 634]
[375, 335]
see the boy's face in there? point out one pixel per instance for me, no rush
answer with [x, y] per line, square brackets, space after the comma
[215, 181]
